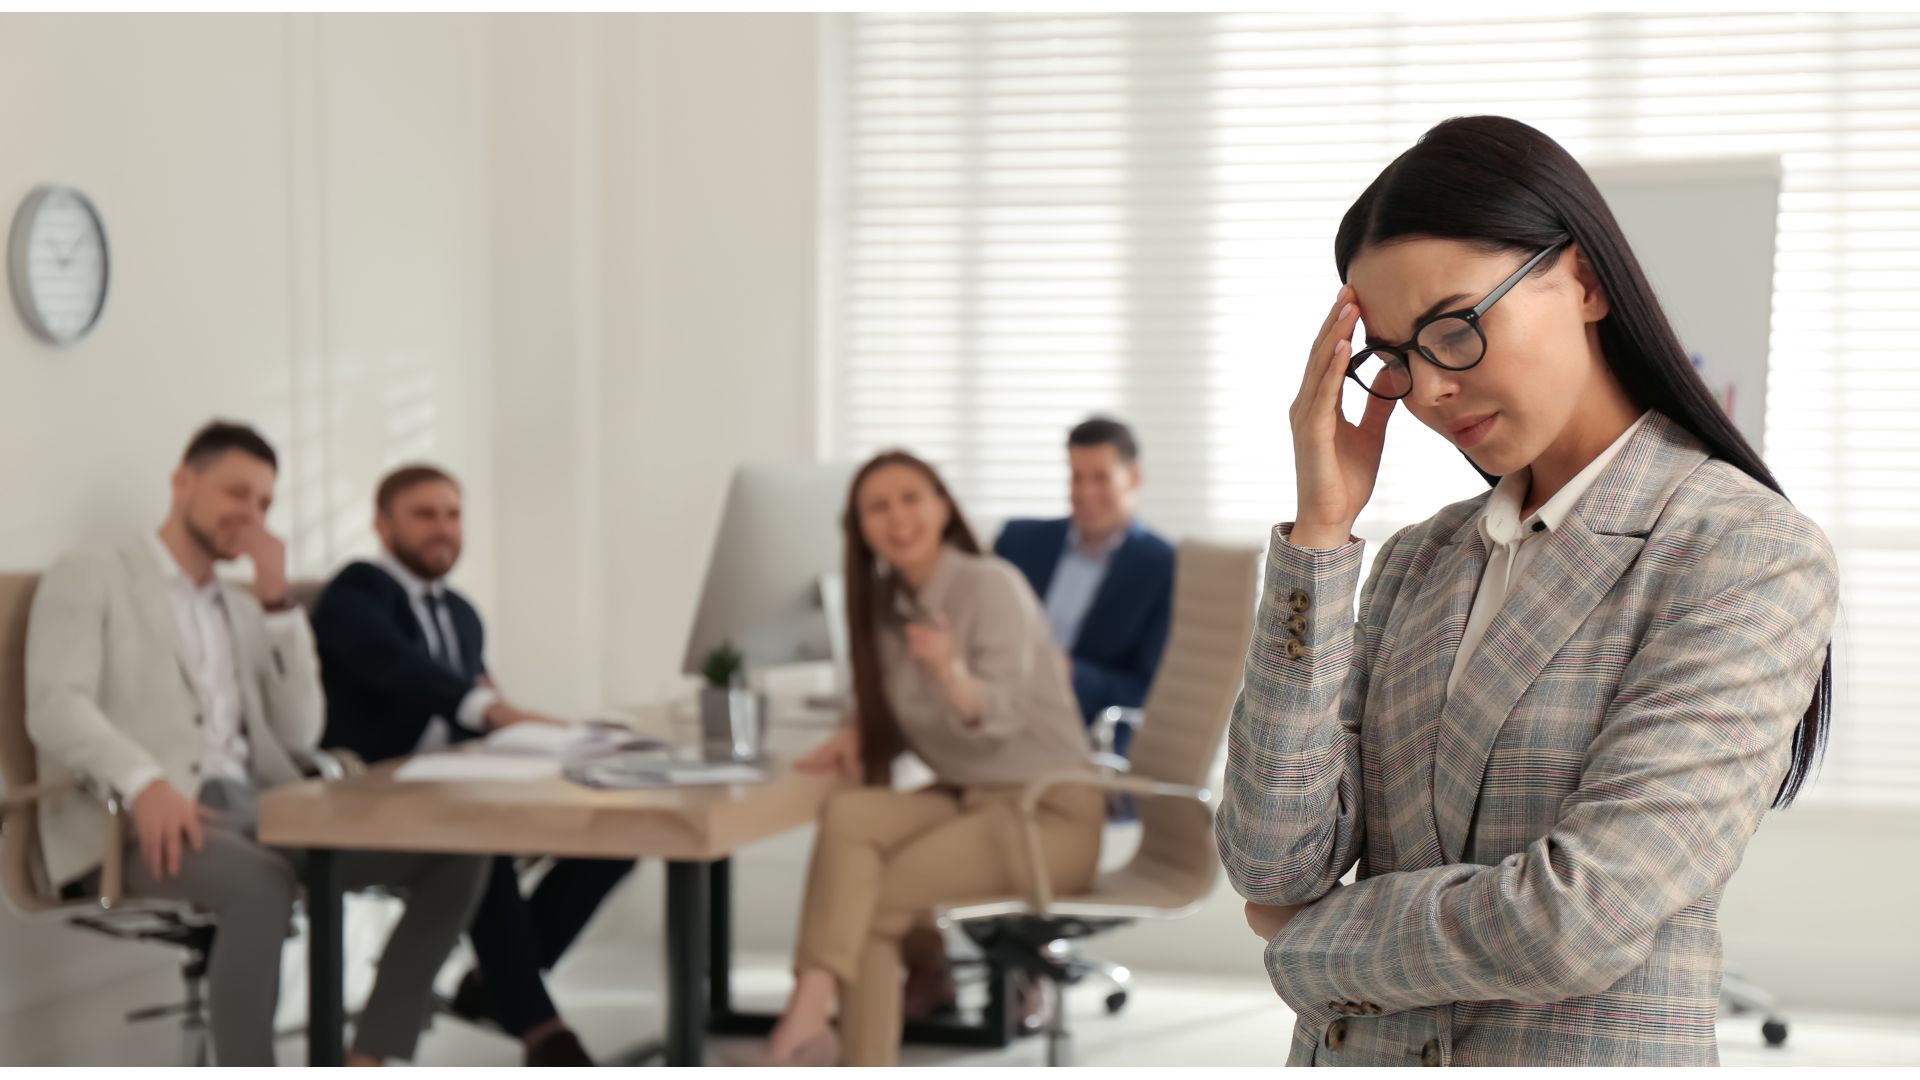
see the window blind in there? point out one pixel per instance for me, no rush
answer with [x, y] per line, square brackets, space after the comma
[1039, 217]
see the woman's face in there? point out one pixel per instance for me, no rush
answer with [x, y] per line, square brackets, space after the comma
[1542, 355]
[902, 517]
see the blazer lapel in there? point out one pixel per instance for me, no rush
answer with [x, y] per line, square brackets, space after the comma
[1052, 543]
[156, 607]
[1566, 580]
[1406, 701]
[1560, 588]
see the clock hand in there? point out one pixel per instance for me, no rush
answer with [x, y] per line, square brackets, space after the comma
[72, 251]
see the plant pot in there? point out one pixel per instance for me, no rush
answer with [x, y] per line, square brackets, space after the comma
[733, 724]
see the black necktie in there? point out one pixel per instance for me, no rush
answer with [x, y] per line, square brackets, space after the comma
[442, 627]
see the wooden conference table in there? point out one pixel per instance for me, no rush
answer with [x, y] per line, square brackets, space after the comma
[695, 830]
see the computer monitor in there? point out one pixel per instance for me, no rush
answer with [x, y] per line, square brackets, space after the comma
[773, 585]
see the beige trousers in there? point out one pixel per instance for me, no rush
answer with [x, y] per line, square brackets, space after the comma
[883, 857]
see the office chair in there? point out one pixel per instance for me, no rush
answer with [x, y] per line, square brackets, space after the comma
[1175, 867]
[97, 904]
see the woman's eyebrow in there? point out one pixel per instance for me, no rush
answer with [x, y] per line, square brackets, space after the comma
[1435, 308]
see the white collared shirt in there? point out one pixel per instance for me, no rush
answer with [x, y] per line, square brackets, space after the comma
[444, 642]
[1513, 543]
[206, 639]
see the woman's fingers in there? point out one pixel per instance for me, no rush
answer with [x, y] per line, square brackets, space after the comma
[1326, 398]
[1322, 342]
[1374, 420]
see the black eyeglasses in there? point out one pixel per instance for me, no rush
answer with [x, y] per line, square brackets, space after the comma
[1451, 339]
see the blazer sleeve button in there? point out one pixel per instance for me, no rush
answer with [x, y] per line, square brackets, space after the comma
[1296, 648]
[1299, 601]
[1430, 1053]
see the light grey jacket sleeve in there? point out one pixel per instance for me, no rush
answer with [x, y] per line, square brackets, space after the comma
[1291, 822]
[65, 651]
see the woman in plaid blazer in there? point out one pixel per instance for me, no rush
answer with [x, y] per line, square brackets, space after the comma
[1565, 705]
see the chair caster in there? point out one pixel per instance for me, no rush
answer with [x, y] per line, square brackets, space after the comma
[1118, 1000]
[1775, 1032]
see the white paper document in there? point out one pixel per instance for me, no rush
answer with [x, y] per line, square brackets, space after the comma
[471, 766]
[553, 740]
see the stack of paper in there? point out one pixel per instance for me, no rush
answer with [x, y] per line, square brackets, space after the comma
[471, 766]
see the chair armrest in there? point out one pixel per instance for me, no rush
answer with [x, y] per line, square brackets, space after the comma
[22, 797]
[1037, 789]
[113, 849]
[1105, 730]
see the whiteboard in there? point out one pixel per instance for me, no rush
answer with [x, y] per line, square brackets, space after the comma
[1704, 233]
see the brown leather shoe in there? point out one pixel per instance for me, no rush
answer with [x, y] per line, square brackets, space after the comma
[560, 1049]
[929, 994]
[930, 990]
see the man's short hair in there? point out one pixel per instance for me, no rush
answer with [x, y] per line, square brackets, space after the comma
[1102, 431]
[405, 479]
[220, 436]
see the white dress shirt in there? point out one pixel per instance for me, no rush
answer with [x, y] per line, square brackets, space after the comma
[444, 643]
[1513, 543]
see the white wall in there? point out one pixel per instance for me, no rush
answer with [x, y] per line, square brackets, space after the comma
[294, 212]
[653, 237]
[710, 305]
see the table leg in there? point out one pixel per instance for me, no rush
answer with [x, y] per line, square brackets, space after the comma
[326, 990]
[719, 939]
[687, 960]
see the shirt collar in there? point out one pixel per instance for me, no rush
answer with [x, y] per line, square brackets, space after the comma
[1500, 520]
[1108, 547]
[417, 587]
[175, 574]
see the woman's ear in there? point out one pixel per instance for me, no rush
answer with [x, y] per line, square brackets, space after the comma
[1593, 298]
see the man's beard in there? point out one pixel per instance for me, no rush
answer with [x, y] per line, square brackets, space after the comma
[204, 541]
[411, 559]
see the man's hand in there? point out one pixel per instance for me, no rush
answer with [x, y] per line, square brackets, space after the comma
[1269, 921]
[166, 822]
[269, 555]
[505, 714]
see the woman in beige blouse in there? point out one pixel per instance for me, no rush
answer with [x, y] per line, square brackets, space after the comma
[953, 660]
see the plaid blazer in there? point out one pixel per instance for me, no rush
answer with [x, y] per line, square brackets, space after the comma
[1541, 855]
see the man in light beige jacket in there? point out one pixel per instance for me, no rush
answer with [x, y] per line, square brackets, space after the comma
[150, 680]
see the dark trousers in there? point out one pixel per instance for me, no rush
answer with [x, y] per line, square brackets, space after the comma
[517, 938]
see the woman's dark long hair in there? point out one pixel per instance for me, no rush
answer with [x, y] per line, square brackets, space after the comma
[1502, 186]
[870, 595]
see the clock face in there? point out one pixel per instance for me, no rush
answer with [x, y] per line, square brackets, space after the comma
[58, 263]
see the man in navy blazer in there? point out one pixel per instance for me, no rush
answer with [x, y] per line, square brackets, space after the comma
[403, 661]
[1105, 579]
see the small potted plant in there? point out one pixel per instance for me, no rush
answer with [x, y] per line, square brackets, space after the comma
[731, 716]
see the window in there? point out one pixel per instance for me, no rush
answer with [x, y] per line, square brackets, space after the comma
[1039, 217]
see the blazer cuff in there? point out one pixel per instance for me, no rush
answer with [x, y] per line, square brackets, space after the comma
[1306, 610]
[134, 782]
